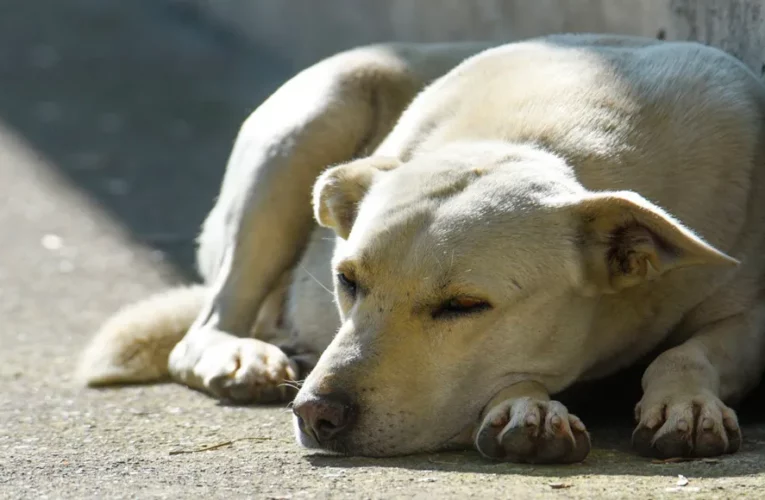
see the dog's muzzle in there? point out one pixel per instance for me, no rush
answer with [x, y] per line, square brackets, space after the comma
[324, 419]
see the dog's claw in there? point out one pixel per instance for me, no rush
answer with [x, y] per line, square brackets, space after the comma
[531, 431]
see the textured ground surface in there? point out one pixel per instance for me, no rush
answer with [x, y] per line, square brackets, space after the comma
[115, 121]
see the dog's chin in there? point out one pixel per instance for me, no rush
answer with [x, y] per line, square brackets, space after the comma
[460, 441]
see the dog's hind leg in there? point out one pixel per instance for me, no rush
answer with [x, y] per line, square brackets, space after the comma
[336, 110]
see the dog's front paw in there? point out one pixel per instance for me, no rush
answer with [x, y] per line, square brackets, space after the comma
[531, 431]
[685, 426]
[247, 371]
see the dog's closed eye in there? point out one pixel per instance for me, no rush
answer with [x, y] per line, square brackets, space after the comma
[347, 283]
[460, 306]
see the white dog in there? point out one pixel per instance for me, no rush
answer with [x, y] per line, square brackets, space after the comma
[531, 216]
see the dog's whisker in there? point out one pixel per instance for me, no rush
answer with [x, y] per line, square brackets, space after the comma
[290, 384]
[317, 281]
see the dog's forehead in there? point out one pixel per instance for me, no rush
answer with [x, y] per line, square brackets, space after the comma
[447, 237]
[437, 218]
[385, 235]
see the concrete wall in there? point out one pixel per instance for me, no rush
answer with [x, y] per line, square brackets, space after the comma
[303, 31]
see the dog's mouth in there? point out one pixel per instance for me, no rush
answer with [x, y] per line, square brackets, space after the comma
[394, 433]
[344, 445]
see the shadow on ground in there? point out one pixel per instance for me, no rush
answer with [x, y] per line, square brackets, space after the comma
[610, 424]
[137, 103]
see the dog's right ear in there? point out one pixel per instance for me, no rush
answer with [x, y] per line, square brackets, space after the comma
[339, 190]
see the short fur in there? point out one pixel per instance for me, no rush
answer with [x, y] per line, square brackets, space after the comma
[508, 221]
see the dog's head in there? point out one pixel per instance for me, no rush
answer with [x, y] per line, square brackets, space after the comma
[463, 272]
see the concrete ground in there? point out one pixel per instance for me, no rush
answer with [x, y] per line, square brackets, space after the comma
[116, 118]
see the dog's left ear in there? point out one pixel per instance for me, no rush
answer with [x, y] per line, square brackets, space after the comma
[627, 240]
[339, 190]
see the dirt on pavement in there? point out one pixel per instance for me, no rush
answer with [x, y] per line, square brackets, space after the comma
[116, 119]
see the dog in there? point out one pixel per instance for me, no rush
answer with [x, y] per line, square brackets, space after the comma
[502, 222]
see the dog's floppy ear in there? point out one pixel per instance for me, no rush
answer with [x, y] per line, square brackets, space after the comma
[627, 240]
[339, 190]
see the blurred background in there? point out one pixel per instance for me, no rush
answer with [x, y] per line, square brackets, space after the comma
[132, 106]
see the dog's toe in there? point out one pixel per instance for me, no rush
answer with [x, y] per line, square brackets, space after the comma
[695, 426]
[674, 443]
[248, 371]
[710, 441]
[530, 431]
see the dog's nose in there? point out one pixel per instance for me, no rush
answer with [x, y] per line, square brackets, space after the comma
[327, 416]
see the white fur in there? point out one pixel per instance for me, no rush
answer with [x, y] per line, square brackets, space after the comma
[134, 344]
[599, 191]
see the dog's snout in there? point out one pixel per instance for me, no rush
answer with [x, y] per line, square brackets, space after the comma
[326, 417]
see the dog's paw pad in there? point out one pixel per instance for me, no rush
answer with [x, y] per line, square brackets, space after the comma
[532, 431]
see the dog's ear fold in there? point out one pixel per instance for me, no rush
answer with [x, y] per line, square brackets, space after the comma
[627, 240]
[339, 190]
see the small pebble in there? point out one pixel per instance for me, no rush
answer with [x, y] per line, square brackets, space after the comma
[52, 242]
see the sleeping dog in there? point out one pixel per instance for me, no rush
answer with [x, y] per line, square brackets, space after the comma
[496, 224]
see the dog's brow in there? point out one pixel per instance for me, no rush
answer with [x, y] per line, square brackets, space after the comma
[357, 267]
[364, 263]
[453, 285]
[348, 266]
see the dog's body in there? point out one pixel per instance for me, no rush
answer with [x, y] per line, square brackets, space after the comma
[503, 242]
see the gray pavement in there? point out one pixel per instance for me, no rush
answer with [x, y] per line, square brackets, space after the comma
[116, 118]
